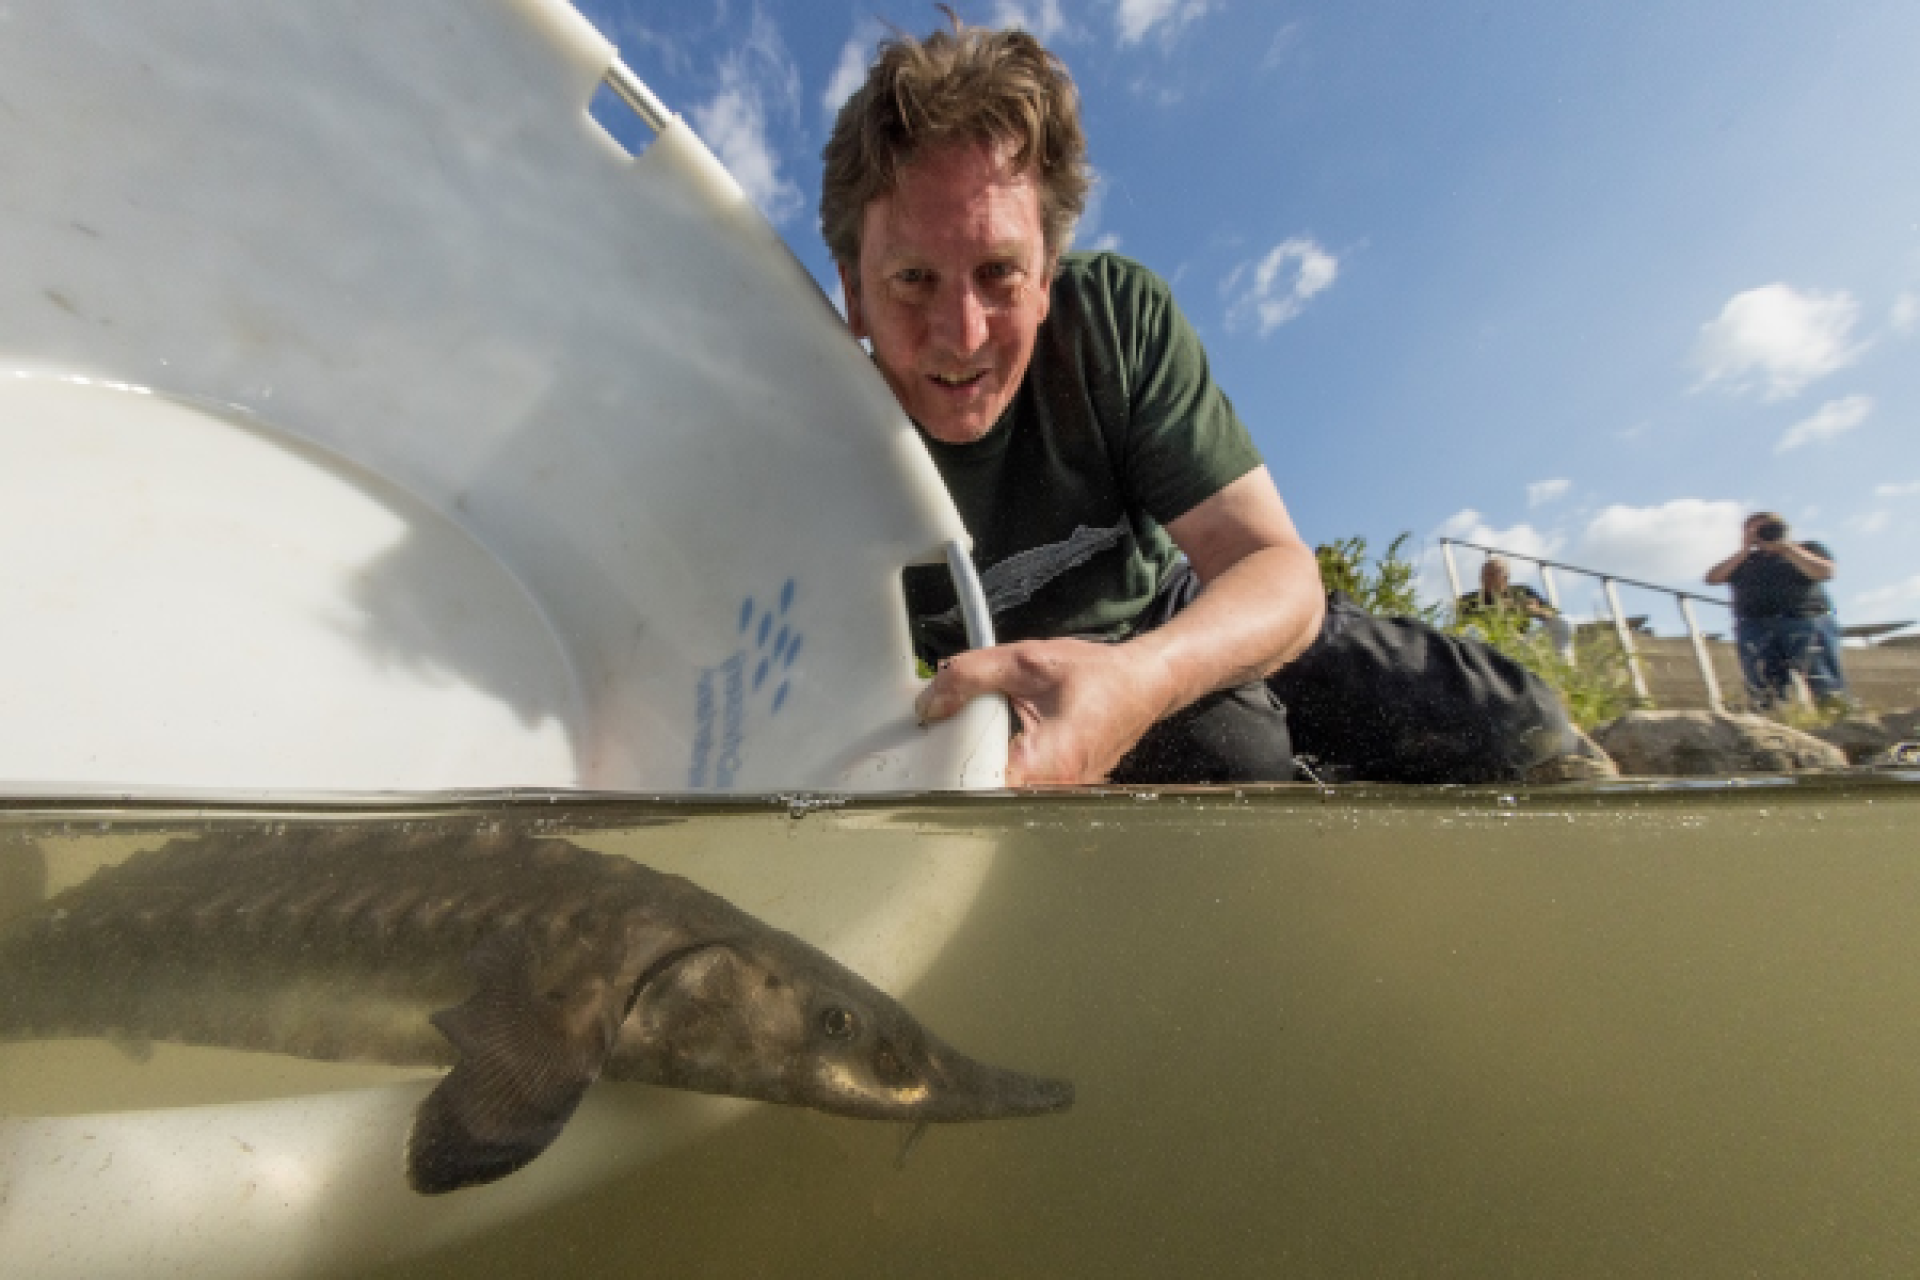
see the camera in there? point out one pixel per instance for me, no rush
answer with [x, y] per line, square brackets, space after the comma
[1771, 531]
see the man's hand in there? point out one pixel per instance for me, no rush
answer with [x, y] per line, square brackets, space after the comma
[1079, 705]
[1722, 572]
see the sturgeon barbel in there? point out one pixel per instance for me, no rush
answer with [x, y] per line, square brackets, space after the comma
[531, 967]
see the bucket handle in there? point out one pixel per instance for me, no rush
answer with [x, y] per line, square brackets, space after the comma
[972, 597]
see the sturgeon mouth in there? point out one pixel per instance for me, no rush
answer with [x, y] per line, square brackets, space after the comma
[965, 1090]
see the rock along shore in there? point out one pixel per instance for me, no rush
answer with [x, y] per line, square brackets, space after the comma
[1701, 744]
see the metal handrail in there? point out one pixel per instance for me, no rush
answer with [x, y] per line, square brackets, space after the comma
[1609, 583]
[1591, 573]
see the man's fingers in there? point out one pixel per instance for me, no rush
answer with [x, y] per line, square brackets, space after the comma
[1022, 770]
[964, 677]
[1035, 760]
[1062, 693]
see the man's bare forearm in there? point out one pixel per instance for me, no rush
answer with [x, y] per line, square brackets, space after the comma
[1244, 625]
[1720, 573]
[1816, 567]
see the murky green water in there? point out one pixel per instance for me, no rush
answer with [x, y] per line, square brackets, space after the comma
[1629, 1031]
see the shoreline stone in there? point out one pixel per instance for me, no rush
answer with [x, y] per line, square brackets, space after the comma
[1585, 763]
[1863, 737]
[1695, 744]
[1904, 726]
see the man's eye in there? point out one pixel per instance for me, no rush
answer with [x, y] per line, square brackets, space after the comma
[913, 276]
[1001, 282]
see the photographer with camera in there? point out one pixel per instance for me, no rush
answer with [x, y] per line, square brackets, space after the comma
[1783, 619]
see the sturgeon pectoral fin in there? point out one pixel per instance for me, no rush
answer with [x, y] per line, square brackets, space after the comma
[531, 1038]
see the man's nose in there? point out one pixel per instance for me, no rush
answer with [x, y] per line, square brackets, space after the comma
[960, 320]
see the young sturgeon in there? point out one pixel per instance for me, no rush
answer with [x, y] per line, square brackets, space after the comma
[550, 966]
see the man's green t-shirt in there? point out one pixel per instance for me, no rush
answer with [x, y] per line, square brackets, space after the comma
[1117, 429]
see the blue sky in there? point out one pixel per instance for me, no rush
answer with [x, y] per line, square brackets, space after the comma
[1587, 279]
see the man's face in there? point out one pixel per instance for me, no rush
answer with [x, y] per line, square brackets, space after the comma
[952, 287]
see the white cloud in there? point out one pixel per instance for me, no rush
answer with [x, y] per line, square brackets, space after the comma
[1158, 91]
[850, 72]
[1832, 418]
[734, 122]
[1674, 543]
[1470, 526]
[1547, 490]
[1870, 522]
[1906, 315]
[1900, 594]
[1521, 539]
[1285, 41]
[1777, 340]
[1910, 489]
[1040, 17]
[1088, 232]
[1278, 287]
[632, 36]
[1137, 18]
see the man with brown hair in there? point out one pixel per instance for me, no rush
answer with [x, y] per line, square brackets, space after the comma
[1142, 570]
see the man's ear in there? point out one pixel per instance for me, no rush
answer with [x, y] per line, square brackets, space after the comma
[850, 291]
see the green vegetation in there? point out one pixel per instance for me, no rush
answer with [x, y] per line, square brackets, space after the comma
[1384, 588]
[1595, 687]
[1809, 717]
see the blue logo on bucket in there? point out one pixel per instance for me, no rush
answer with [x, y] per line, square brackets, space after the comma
[752, 680]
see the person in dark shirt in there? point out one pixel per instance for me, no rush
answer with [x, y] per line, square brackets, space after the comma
[1160, 619]
[1498, 593]
[1783, 620]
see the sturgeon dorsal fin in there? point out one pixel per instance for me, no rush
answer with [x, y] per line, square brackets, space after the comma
[531, 1038]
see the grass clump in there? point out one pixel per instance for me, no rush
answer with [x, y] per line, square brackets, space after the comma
[1384, 587]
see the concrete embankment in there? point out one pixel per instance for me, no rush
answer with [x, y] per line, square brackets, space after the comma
[1884, 678]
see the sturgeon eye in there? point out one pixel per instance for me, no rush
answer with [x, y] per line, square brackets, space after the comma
[839, 1024]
